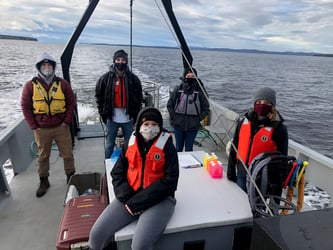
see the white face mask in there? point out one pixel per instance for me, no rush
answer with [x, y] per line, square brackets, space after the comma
[149, 132]
[46, 72]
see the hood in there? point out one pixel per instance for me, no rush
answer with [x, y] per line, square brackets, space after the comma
[149, 112]
[45, 58]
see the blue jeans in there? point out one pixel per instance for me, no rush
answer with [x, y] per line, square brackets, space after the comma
[241, 181]
[111, 134]
[185, 137]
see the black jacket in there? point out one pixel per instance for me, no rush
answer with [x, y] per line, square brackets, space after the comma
[280, 137]
[142, 199]
[187, 122]
[104, 93]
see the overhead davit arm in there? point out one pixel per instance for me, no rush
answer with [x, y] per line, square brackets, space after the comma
[187, 57]
[66, 56]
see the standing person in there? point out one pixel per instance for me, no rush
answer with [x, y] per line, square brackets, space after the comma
[187, 106]
[144, 179]
[48, 106]
[262, 130]
[119, 98]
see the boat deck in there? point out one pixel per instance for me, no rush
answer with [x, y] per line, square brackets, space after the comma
[24, 218]
[28, 222]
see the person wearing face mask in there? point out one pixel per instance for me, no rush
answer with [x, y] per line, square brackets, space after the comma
[144, 180]
[119, 99]
[188, 106]
[48, 106]
[262, 130]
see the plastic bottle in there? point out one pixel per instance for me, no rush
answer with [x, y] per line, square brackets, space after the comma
[205, 160]
[212, 160]
[209, 162]
[216, 170]
[214, 157]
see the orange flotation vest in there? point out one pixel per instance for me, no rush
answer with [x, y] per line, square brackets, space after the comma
[153, 169]
[248, 147]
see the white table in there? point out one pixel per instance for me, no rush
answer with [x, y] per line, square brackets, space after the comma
[202, 202]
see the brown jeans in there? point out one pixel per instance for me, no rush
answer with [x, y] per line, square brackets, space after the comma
[44, 138]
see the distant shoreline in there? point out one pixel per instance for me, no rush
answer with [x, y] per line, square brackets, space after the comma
[9, 37]
[227, 50]
[18, 38]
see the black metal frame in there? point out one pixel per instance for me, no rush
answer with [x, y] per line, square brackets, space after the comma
[67, 53]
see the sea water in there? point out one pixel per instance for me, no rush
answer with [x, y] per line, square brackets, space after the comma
[303, 83]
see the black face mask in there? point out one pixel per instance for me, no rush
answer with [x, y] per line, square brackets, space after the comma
[121, 66]
[190, 81]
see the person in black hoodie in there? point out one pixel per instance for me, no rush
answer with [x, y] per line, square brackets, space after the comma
[262, 130]
[144, 179]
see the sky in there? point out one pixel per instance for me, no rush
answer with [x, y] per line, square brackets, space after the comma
[270, 25]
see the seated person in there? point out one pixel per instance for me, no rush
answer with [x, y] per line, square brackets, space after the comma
[144, 179]
[262, 130]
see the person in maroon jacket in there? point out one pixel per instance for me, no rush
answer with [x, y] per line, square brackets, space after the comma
[48, 106]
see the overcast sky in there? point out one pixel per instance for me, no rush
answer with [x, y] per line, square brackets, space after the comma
[273, 25]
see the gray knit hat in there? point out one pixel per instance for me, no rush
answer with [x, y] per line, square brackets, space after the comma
[266, 93]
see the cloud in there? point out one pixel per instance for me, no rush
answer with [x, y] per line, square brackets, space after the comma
[297, 25]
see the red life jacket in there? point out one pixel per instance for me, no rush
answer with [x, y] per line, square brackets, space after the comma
[249, 148]
[153, 170]
[119, 98]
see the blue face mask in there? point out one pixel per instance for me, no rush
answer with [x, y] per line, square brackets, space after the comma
[262, 109]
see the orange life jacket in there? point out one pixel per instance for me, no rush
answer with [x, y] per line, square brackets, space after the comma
[153, 169]
[249, 148]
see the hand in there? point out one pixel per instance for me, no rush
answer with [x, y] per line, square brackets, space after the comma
[130, 211]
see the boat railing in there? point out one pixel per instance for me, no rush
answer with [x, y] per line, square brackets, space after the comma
[15, 142]
[151, 92]
[320, 168]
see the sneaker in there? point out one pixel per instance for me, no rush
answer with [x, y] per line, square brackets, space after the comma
[43, 186]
